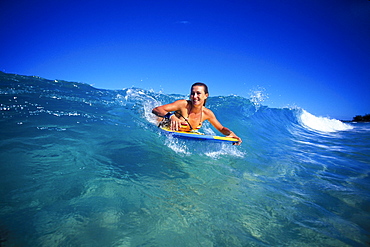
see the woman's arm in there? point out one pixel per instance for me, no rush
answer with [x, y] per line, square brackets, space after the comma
[226, 131]
[162, 110]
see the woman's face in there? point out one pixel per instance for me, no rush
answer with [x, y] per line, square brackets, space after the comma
[197, 95]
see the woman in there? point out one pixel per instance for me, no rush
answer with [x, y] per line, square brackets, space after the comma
[189, 114]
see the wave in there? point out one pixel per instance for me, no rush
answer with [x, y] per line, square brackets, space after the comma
[32, 96]
[61, 105]
[95, 160]
[322, 124]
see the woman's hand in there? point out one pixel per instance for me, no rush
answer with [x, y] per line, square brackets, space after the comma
[232, 135]
[175, 123]
[228, 133]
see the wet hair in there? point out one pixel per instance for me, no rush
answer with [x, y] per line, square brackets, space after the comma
[202, 85]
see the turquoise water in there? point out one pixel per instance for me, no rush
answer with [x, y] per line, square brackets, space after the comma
[87, 167]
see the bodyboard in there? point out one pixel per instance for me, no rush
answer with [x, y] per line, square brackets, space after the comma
[198, 136]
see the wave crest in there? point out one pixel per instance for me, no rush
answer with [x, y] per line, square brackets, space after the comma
[322, 124]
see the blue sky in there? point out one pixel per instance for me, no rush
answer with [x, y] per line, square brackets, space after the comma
[311, 54]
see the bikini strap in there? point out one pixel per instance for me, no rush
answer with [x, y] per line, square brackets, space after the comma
[191, 128]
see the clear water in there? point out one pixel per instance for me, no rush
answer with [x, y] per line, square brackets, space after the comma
[87, 167]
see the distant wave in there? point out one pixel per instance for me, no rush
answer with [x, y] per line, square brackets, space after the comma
[322, 124]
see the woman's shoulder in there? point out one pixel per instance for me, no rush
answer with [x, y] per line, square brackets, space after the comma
[181, 102]
[207, 112]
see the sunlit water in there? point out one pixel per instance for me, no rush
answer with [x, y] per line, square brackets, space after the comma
[87, 167]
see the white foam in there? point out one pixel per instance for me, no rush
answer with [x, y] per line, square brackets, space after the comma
[322, 124]
[148, 106]
[177, 146]
[227, 149]
[138, 95]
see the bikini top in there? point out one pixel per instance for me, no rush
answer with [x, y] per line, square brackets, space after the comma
[186, 124]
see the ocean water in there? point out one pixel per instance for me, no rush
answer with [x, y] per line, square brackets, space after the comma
[82, 166]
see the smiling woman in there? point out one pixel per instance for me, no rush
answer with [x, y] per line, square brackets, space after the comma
[188, 115]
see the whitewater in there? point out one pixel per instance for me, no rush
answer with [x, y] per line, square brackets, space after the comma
[82, 166]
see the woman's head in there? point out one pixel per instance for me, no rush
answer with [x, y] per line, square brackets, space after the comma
[199, 91]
